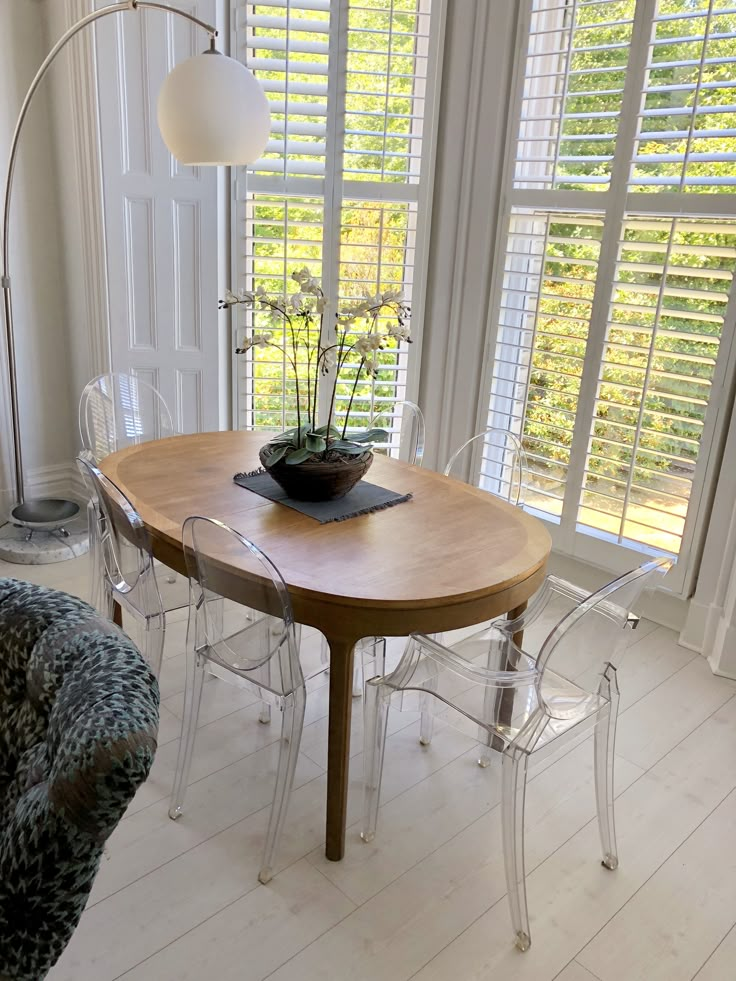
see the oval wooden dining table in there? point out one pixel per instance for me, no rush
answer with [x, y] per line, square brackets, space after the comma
[450, 557]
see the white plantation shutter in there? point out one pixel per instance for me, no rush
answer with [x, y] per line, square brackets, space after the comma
[614, 299]
[342, 185]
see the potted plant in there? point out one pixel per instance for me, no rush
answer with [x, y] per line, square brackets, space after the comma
[322, 462]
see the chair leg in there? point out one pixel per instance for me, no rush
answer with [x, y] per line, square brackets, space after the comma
[358, 674]
[426, 721]
[604, 741]
[324, 653]
[370, 660]
[375, 720]
[96, 594]
[513, 794]
[264, 716]
[488, 743]
[192, 698]
[155, 634]
[291, 735]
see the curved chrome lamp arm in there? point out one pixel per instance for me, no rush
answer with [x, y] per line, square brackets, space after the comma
[113, 8]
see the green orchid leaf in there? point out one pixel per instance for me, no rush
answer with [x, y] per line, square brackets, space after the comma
[283, 439]
[370, 436]
[298, 456]
[315, 443]
[324, 430]
[343, 446]
[276, 454]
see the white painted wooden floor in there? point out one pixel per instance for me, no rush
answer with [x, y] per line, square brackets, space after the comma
[180, 902]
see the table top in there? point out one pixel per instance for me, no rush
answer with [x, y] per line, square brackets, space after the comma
[452, 556]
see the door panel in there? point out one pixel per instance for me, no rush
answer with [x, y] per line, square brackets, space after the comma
[160, 218]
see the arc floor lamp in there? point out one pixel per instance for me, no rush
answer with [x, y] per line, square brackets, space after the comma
[211, 111]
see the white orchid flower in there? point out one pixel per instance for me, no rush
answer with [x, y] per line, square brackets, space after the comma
[256, 340]
[297, 299]
[302, 276]
[400, 332]
[367, 343]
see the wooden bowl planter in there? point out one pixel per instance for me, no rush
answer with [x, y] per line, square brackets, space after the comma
[319, 479]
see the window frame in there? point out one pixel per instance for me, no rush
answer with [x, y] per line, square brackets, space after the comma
[334, 189]
[613, 205]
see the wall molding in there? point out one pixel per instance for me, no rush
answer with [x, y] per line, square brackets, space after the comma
[477, 62]
[88, 163]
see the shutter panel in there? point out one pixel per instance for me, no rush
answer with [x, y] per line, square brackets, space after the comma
[286, 44]
[665, 325]
[339, 188]
[279, 234]
[548, 282]
[607, 356]
[687, 124]
[573, 93]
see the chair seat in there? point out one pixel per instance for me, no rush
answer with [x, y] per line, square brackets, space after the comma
[570, 704]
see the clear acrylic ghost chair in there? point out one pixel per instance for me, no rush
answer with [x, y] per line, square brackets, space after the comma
[260, 648]
[404, 422]
[503, 473]
[504, 468]
[520, 703]
[117, 410]
[128, 574]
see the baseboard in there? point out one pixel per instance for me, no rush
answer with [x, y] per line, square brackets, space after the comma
[658, 605]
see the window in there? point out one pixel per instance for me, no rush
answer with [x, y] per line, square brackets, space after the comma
[342, 185]
[613, 297]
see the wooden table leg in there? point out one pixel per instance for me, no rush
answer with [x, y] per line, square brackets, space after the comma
[117, 613]
[338, 745]
[505, 696]
[518, 637]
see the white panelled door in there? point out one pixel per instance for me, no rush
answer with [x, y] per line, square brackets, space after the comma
[160, 218]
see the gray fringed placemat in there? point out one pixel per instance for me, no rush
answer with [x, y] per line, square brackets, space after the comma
[362, 499]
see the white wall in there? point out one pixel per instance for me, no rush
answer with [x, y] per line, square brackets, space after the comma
[472, 124]
[40, 301]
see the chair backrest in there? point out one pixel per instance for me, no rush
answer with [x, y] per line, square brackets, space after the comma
[404, 422]
[248, 640]
[593, 634]
[124, 541]
[118, 410]
[497, 461]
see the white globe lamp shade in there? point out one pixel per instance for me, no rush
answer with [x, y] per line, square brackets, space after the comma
[211, 110]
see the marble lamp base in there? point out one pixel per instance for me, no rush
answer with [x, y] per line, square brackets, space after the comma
[23, 546]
